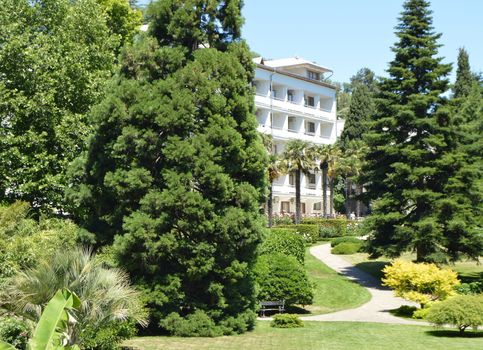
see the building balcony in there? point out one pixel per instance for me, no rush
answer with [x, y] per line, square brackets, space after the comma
[292, 107]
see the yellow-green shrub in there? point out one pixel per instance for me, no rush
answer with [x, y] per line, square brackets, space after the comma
[421, 282]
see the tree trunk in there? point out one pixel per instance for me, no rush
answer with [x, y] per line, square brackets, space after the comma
[324, 191]
[270, 205]
[331, 202]
[297, 196]
[358, 200]
[348, 187]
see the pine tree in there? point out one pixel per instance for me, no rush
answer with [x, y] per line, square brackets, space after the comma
[407, 139]
[175, 172]
[464, 78]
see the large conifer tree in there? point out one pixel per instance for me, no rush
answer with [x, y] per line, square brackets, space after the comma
[175, 172]
[410, 133]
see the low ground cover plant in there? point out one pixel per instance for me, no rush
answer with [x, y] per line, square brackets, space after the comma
[309, 232]
[346, 239]
[347, 248]
[286, 321]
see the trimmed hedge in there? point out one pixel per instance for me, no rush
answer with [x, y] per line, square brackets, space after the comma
[286, 321]
[347, 248]
[339, 240]
[340, 225]
[309, 232]
[284, 241]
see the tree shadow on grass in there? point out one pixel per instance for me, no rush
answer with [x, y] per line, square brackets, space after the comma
[446, 333]
[469, 277]
[374, 268]
[293, 309]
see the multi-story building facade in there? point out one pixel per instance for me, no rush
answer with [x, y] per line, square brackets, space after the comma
[293, 102]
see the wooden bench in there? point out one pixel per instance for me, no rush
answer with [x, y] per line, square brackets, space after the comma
[276, 305]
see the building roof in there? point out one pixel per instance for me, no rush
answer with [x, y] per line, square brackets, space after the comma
[293, 62]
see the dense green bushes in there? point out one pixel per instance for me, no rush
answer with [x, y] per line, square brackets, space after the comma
[310, 233]
[282, 277]
[107, 336]
[345, 239]
[284, 241]
[14, 331]
[347, 248]
[286, 321]
[462, 311]
[340, 225]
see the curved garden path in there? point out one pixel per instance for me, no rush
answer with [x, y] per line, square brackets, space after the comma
[375, 310]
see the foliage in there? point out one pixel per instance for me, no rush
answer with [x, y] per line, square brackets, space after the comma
[105, 293]
[412, 160]
[286, 321]
[405, 311]
[421, 282]
[287, 242]
[422, 313]
[15, 331]
[122, 20]
[51, 73]
[197, 324]
[107, 336]
[328, 232]
[464, 78]
[282, 220]
[298, 158]
[340, 225]
[310, 233]
[347, 248]
[175, 170]
[345, 239]
[281, 277]
[471, 288]
[462, 311]
[24, 241]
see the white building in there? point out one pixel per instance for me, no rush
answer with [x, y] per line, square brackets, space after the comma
[293, 102]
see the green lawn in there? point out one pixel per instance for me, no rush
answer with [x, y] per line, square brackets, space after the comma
[323, 335]
[333, 292]
[468, 271]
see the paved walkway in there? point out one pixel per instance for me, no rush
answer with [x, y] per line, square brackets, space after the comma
[375, 310]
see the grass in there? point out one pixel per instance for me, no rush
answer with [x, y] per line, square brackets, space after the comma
[332, 292]
[468, 271]
[323, 335]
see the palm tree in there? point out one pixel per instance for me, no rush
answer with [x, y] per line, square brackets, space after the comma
[105, 293]
[275, 170]
[298, 157]
[329, 156]
[353, 160]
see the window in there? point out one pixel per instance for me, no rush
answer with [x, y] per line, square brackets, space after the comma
[313, 75]
[274, 93]
[290, 95]
[291, 179]
[309, 101]
[275, 149]
[291, 124]
[302, 208]
[318, 206]
[285, 207]
[310, 128]
[311, 179]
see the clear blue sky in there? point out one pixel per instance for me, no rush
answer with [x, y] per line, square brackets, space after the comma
[346, 35]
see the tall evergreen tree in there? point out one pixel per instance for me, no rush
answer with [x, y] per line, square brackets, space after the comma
[176, 169]
[407, 139]
[464, 77]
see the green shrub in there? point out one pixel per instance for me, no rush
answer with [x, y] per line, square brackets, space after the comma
[327, 232]
[310, 233]
[284, 241]
[471, 288]
[197, 324]
[282, 220]
[107, 336]
[340, 225]
[405, 311]
[286, 321]
[281, 277]
[347, 248]
[421, 314]
[462, 311]
[339, 240]
[14, 331]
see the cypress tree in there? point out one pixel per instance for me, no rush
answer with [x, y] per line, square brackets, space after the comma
[464, 78]
[408, 136]
[175, 173]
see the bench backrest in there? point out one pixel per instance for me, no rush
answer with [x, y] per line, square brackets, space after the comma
[272, 303]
